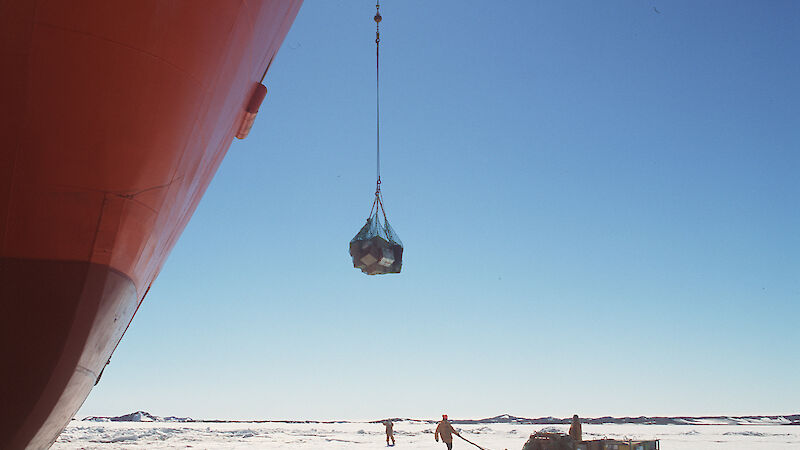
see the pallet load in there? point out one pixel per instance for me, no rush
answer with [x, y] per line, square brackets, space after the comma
[549, 440]
[376, 249]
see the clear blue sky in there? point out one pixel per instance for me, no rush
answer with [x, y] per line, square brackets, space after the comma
[599, 203]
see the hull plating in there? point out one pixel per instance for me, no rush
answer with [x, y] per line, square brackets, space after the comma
[115, 117]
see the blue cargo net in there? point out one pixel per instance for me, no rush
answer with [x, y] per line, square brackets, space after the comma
[376, 249]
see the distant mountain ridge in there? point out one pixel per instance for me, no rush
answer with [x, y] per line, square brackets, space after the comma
[791, 419]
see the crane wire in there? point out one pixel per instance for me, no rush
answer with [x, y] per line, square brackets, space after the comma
[377, 88]
[378, 203]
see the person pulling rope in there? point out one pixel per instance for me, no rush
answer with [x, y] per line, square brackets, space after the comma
[446, 431]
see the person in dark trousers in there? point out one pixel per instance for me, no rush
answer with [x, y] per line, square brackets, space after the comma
[575, 429]
[446, 431]
[389, 432]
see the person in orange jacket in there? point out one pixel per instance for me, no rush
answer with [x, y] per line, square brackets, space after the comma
[446, 431]
[575, 429]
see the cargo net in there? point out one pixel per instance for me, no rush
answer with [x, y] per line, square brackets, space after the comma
[376, 249]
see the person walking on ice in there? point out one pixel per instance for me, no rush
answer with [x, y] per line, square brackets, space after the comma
[389, 432]
[446, 431]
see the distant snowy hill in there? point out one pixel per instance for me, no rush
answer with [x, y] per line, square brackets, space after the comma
[139, 416]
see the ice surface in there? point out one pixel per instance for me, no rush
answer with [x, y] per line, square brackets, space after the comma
[409, 435]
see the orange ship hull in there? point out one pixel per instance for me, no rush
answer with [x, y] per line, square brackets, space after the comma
[114, 117]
